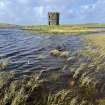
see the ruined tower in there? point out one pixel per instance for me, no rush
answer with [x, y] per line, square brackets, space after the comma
[53, 18]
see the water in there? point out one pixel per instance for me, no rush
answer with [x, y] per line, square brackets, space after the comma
[26, 52]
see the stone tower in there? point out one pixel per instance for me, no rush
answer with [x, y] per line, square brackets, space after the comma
[53, 18]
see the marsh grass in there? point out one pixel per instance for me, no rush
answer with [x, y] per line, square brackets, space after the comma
[31, 91]
[65, 29]
[39, 90]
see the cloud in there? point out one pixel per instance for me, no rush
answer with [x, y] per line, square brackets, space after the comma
[35, 11]
[94, 12]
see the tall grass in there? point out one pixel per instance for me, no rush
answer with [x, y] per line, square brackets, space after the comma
[31, 91]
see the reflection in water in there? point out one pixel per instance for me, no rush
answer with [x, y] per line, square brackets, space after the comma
[27, 52]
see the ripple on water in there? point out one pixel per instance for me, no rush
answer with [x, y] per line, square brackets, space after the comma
[27, 52]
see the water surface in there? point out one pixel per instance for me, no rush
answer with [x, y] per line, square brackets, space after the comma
[27, 52]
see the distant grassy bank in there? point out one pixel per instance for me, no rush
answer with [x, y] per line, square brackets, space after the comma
[65, 29]
[4, 25]
[76, 29]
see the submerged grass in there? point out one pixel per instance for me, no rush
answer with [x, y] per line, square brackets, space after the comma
[55, 89]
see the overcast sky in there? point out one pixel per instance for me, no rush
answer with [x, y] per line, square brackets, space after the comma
[35, 11]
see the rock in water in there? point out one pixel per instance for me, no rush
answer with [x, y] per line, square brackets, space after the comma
[64, 54]
[4, 63]
[55, 53]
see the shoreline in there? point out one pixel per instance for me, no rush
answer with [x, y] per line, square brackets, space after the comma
[63, 30]
[63, 33]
